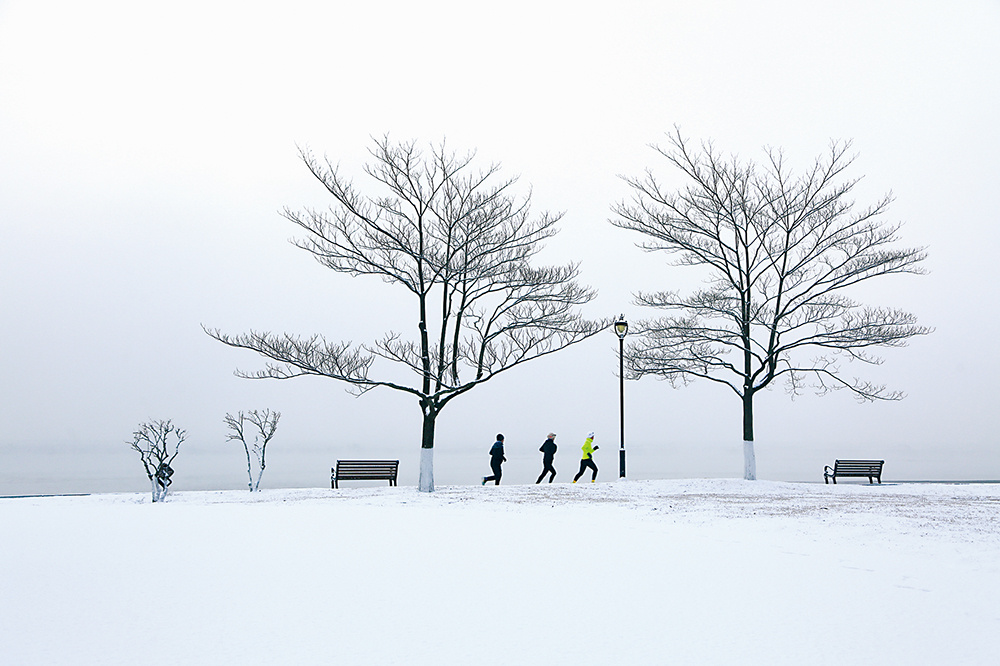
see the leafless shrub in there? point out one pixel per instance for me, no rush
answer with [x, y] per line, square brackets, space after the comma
[158, 443]
[263, 424]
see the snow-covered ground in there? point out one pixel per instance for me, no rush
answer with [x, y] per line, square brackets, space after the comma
[637, 572]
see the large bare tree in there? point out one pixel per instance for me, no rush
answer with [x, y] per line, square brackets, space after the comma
[460, 241]
[780, 249]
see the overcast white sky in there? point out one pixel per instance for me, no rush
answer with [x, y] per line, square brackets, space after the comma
[146, 149]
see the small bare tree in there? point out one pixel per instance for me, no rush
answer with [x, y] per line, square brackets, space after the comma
[158, 443]
[264, 424]
[460, 242]
[781, 250]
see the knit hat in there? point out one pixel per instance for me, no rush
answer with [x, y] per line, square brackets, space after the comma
[590, 435]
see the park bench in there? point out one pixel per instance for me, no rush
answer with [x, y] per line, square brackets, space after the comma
[860, 468]
[364, 470]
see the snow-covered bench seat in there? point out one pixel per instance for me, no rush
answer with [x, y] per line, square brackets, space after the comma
[861, 468]
[364, 470]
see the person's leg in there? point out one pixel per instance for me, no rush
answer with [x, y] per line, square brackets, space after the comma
[583, 466]
[593, 466]
[497, 472]
[552, 478]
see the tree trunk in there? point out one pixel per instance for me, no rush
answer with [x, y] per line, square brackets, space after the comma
[426, 484]
[249, 465]
[749, 459]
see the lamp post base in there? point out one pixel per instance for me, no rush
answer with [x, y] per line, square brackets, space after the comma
[621, 463]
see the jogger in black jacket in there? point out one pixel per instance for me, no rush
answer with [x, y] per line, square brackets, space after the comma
[497, 458]
[548, 455]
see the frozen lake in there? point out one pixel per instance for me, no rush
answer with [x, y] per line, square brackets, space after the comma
[47, 469]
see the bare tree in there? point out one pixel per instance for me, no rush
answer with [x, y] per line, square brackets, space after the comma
[264, 424]
[460, 241]
[780, 249]
[158, 443]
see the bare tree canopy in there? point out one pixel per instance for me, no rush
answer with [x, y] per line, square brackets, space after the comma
[461, 241]
[782, 249]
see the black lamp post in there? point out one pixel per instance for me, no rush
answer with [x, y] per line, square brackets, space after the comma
[621, 328]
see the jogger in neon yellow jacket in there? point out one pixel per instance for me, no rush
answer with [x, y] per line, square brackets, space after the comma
[588, 458]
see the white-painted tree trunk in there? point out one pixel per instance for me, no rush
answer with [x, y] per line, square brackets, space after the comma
[159, 494]
[749, 461]
[426, 471]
